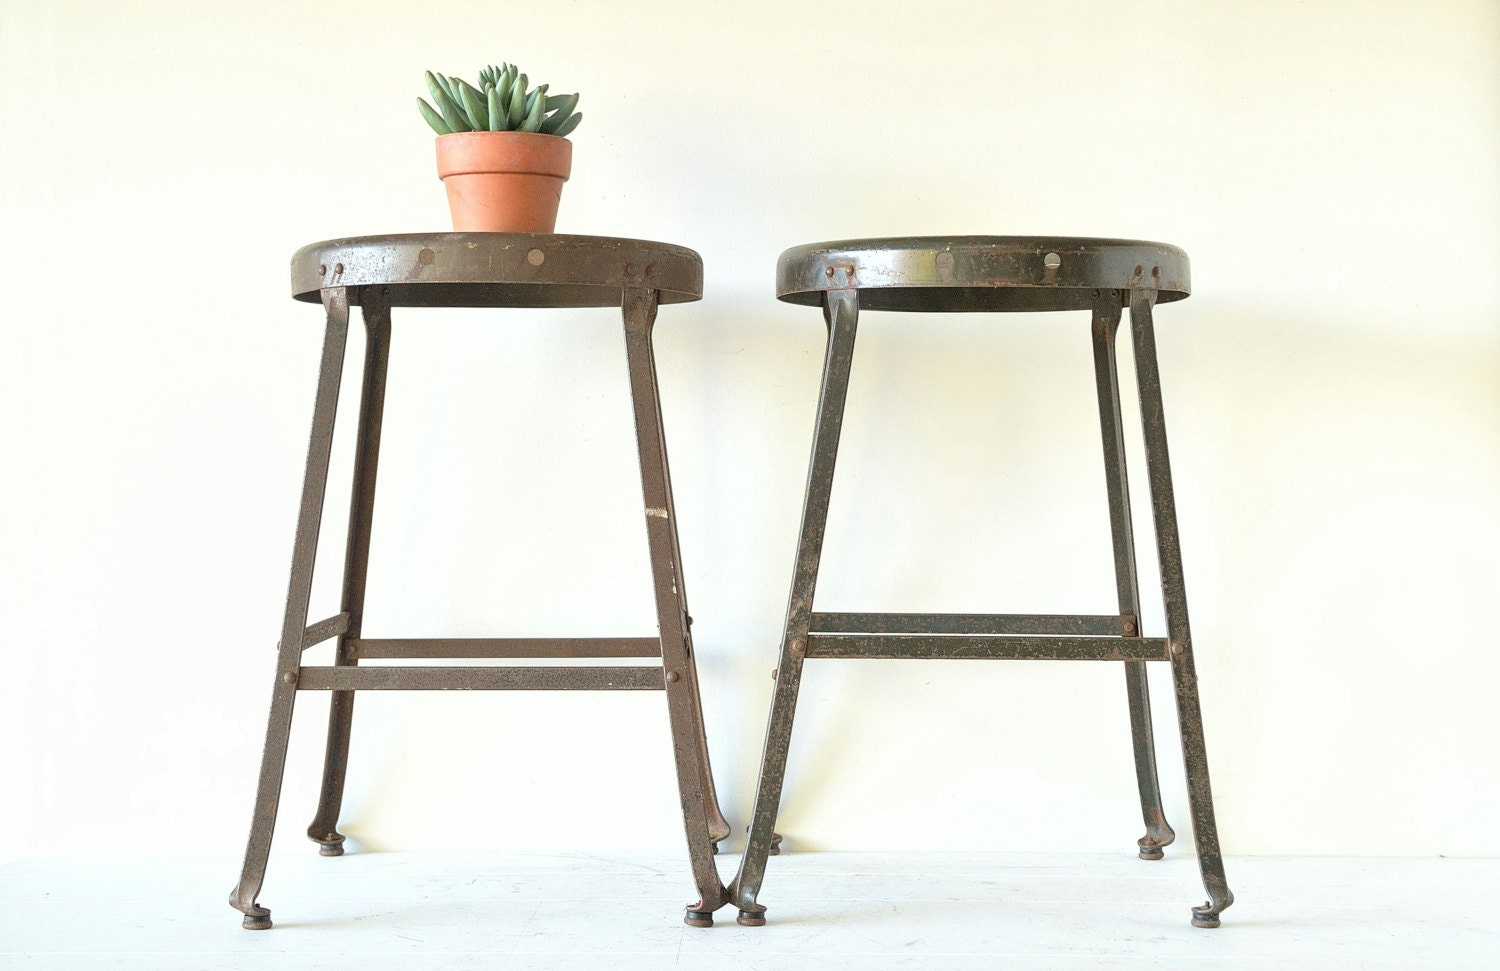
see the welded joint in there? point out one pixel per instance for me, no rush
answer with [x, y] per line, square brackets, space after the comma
[658, 513]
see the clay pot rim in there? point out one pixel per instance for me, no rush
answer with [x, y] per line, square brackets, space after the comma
[518, 152]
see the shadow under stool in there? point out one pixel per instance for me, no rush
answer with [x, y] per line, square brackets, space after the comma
[1000, 273]
[377, 273]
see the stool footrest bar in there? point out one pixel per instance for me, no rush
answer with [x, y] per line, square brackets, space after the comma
[1030, 624]
[961, 647]
[505, 647]
[363, 678]
[324, 629]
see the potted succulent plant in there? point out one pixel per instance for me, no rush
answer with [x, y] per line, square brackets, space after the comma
[501, 149]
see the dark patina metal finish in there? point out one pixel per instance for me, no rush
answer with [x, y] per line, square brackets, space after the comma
[479, 270]
[999, 273]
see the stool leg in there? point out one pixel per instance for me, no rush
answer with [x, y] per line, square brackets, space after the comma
[1174, 593]
[294, 623]
[718, 826]
[700, 810]
[1106, 373]
[375, 308]
[841, 311]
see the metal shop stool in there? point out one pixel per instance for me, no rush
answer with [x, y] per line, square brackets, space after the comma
[999, 273]
[479, 270]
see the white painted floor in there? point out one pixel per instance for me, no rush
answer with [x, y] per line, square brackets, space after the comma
[827, 910]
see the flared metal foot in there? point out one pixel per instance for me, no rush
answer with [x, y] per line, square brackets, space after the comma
[1207, 915]
[1152, 844]
[1150, 848]
[331, 849]
[751, 918]
[257, 918]
[257, 922]
[698, 918]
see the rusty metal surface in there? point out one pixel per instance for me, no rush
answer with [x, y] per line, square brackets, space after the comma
[841, 315]
[978, 273]
[1106, 326]
[497, 647]
[704, 822]
[299, 590]
[497, 269]
[1063, 624]
[979, 646]
[998, 273]
[1174, 596]
[478, 270]
[350, 678]
[376, 311]
[324, 629]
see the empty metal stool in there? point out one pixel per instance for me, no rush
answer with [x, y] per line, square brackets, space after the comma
[479, 270]
[999, 273]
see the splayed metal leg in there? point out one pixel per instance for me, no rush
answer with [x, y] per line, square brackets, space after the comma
[1107, 312]
[1174, 593]
[294, 623]
[700, 812]
[841, 311]
[375, 308]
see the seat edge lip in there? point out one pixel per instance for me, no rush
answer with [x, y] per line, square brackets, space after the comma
[415, 260]
[980, 263]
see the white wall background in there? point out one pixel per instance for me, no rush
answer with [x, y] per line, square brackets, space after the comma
[1332, 395]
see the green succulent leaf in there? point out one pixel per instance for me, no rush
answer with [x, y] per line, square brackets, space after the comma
[516, 110]
[433, 118]
[561, 105]
[502, 92]
[568, 126]
[496, 113]
[453, 115]
[475, 106]
[537, 104]
[434, 85]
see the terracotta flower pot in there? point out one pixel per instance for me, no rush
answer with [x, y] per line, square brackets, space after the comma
[503, 181]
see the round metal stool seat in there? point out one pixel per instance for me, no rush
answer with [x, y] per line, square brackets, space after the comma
[979, 273]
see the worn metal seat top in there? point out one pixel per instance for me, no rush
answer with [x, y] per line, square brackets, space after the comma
[979, 273]
[498, 269]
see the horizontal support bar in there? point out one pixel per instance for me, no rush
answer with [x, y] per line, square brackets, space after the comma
[987, 646]
[352, 678]
[498, 647]
[324, 629]
[1060, 624]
